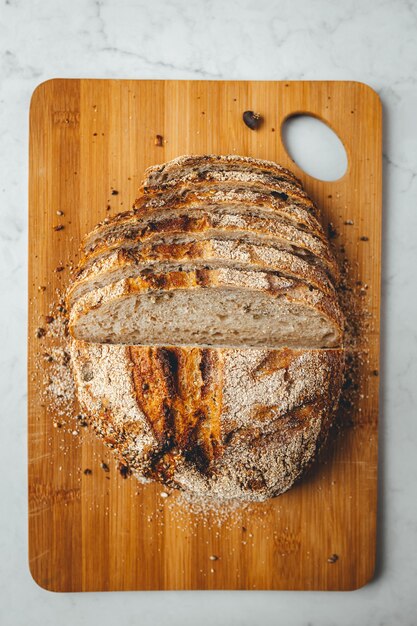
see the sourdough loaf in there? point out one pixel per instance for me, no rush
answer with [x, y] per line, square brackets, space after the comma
[207, 338]
[229, 423]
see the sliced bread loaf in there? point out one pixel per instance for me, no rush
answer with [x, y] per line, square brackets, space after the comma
[206, 332]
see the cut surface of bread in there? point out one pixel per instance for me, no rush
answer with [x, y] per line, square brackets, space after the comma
[209, 223]
[210, 307]
[161, 256]
[224, 423]
[206, 335]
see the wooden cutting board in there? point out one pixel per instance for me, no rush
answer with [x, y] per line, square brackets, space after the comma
[90, 141]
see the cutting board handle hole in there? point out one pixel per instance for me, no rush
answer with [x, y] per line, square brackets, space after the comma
[314, 147]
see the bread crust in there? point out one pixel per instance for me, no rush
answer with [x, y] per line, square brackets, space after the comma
[279, 188]
[224, 423]
[259, 189]
[242, 423]
[250, 199]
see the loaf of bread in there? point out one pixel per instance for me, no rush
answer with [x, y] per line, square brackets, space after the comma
[207, 337]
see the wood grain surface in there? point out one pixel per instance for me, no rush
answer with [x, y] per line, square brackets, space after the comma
[90, 138]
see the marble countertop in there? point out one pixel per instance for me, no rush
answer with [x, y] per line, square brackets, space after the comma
[374, 42]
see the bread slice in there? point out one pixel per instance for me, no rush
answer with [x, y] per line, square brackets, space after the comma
[224, 423]
[157, 175]
[206, 176]
[251, 187]
[231, 199]
[211, 223]
[208, 307]
[218, 252]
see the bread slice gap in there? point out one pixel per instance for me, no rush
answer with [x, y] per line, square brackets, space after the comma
[208, 307]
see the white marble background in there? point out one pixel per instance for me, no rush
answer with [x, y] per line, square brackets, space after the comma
[373, 41]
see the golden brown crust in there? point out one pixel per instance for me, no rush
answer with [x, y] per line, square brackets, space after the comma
[183, 423]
